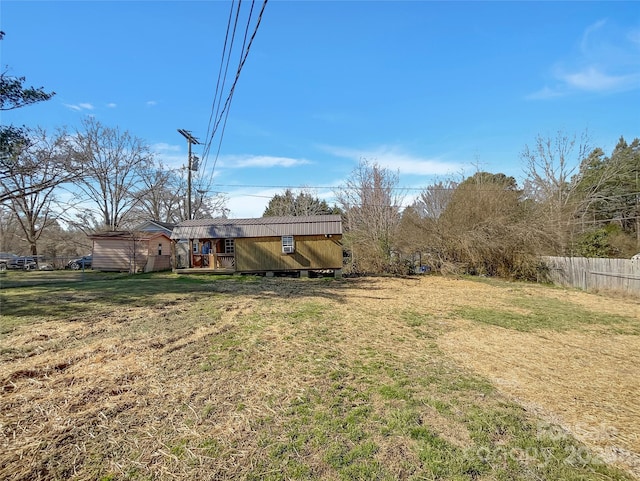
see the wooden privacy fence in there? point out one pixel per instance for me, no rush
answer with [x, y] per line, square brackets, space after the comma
[590, 273]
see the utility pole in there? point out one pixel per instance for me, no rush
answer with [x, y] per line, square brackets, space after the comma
[190, 140]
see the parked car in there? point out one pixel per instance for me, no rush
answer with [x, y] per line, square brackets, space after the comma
[25, 263]
[6, 258]
[83, 262]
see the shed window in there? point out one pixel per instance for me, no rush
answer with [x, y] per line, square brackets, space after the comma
[229, 246]
[159, 249]
[288, 246]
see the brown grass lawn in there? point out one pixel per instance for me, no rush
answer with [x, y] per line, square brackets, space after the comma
[160, 377]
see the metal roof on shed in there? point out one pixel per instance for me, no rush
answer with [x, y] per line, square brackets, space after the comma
[127, 235]
[258, 227]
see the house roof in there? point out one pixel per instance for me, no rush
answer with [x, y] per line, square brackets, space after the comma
[127, 235]
[258, 227]
[151, 225]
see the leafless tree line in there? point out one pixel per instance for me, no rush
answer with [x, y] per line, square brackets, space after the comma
[92, 179]
[574, 201]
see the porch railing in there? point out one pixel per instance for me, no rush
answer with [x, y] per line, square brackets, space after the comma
[214, 261]
[225, 261]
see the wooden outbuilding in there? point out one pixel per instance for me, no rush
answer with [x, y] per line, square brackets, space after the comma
[266, 245]
[127, 251]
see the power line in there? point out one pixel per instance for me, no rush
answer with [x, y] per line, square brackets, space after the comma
[218, 86]
[224, 112]
[418, 189]
[219, 93]
[317, 187]
[242, 62]
[226, 116]
[557, 222]
[233, 87]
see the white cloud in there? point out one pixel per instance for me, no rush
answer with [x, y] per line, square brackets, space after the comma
[544, 93]
[164, 147]
[607, 61]
[585, 44]
[593, 80]
[152, 103]
[79, 107]
[394, 159]
[260, 161]
[112, 105]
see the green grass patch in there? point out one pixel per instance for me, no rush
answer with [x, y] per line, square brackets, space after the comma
[394, 392]
[307, 311]
[545, 313]
[414, 318]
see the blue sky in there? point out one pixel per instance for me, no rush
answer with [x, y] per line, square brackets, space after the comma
[430, 89]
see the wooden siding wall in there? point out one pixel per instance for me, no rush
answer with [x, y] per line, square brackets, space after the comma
[311, 252]
[119, 255]
[164, 242]
[588, 273]
[158, 263]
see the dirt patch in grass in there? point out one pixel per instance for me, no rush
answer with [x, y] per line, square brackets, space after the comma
[292, 379]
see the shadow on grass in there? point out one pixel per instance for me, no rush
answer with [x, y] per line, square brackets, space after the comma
[69, 299]
[13, 279]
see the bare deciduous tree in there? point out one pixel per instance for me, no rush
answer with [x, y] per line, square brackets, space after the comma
[114, 163]
[371, 203]
[40, 167]
[38, 163]
[161, 195]
[210, 206]
[550, 167]
[9, 230]
[435, 198]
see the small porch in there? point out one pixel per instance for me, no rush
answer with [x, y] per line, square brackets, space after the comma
[212, 255]
[214, 261]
